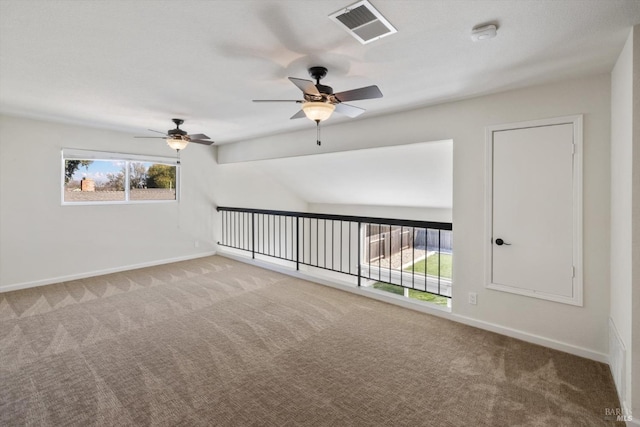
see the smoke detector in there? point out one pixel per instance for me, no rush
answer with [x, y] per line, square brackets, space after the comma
[363, 22]
[483, 33]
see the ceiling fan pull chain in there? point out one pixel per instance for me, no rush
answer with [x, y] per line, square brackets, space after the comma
[318, 132]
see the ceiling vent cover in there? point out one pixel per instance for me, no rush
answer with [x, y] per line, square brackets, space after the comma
[363, 22]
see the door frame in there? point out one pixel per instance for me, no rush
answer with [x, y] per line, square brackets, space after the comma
[577, 289]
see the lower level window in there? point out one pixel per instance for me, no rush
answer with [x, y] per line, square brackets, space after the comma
[95, 177]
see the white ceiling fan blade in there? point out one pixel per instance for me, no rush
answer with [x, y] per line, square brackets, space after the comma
[307, 86]
[349, 110]
[299, 115]
[369, 92]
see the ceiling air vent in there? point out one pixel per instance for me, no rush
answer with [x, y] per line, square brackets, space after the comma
[363, 22]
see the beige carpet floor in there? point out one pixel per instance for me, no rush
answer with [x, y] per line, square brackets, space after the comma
[214, 342]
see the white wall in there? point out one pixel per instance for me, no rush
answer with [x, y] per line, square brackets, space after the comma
[245, 186]
[622, 92]
[634, 375]
[43, 242]
[584, 329]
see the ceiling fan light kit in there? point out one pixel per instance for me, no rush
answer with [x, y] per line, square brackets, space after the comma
[318, 111]
[177, 142]
[178, 138]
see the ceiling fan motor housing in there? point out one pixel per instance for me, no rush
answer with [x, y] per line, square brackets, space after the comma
[176, 132]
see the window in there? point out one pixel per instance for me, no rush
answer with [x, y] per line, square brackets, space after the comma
[94, 177]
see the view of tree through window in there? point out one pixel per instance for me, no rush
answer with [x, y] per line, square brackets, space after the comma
[118, 181]
[152, 181]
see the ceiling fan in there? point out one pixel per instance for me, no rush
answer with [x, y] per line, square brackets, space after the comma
[319, 101]
[178, 138]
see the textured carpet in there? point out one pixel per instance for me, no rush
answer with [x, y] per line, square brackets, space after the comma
[216, 342]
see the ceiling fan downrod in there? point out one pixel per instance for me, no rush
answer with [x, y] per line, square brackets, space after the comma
[317, 73]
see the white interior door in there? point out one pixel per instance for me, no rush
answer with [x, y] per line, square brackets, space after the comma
[533, 221]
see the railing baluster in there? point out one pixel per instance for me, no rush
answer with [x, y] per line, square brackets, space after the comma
[309, 241]
[349, 253]
[368, 235]
[298, 242]
[439, 259]
[426, 258]
[359, 255]
[341, 245]
[401, 253]
[269, 234]
[413, 258]
[390, 249]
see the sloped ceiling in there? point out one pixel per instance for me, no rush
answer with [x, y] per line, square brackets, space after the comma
[412, 175]
[133, 65]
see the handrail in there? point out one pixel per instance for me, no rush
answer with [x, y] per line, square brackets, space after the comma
[352, 218]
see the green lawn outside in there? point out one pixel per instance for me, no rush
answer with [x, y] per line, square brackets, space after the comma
[431, 264]
[419, 295]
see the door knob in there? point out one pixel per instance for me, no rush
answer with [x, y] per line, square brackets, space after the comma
[501, 242]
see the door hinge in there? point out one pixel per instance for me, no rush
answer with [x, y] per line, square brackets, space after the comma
[573, 148]
[573, 272]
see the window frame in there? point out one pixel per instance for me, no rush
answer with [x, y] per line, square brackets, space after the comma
[128, 158]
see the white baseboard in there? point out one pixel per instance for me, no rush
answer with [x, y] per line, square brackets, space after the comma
[84, 275]
[427, 308]
[532, 338]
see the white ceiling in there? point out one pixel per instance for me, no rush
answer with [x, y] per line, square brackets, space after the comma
[133, 65]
